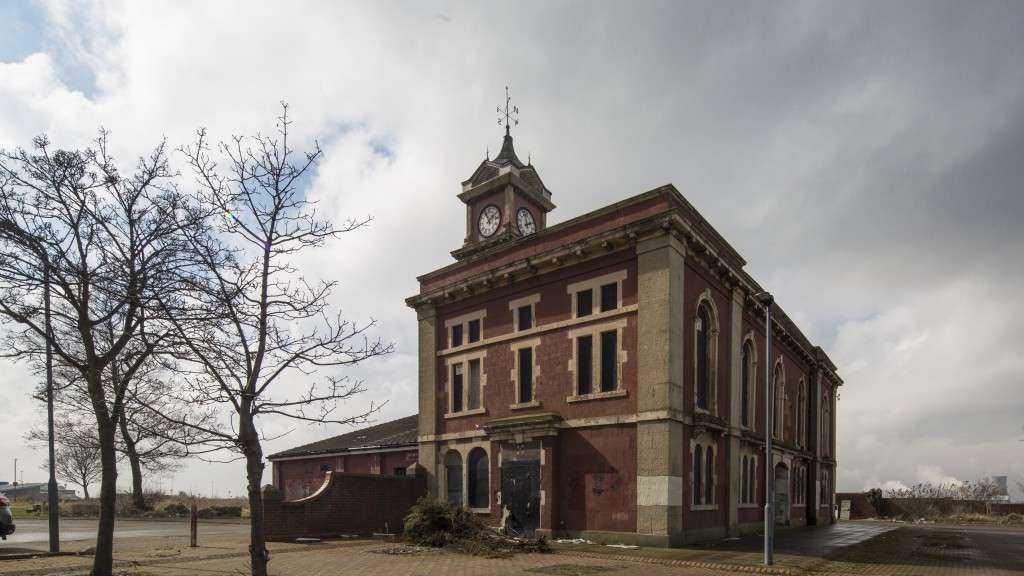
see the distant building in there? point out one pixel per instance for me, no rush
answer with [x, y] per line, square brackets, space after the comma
[1002, 489]
[34, 491]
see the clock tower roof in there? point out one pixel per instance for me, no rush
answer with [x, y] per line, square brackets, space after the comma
[507, 168]
[507, 155]
[505, 199]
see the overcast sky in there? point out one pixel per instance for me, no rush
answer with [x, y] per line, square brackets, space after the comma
[866, 159]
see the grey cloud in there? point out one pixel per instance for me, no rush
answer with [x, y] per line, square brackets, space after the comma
[863, 157]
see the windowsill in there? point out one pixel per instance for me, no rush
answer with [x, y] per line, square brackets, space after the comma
[748, 506]
[799, 506]
[538, 329]
[458, 348]
[704, 508]
[525, 405]
[621, 393]
[481, 511]
[473, 412]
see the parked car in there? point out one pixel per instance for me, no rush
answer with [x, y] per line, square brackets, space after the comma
[6, 518]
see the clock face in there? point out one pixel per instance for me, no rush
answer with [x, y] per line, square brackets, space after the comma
[490, 219]
[524, 220]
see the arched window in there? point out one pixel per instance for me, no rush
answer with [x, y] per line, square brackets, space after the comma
[709, 472]
[703, 352]
[780, 401]
[479, 478]
[698, 457]
[746, 379]
[453, 477]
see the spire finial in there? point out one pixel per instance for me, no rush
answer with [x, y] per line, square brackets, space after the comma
[507, 115]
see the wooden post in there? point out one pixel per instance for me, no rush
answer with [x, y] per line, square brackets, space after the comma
[193, 522]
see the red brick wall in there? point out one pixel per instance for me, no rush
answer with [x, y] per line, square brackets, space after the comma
[554, 380]
[597, 479]
[300, 478]
[350, 504]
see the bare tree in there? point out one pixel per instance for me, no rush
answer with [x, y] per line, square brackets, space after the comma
[144, 437]
[251, 321]
[76, 454]
[103, 246]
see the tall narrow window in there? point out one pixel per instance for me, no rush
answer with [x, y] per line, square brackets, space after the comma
[457, 335]
[609, 297]
[479, 478]
[609, 351]
[744, 473]
[474, 384]
[698, 458]
[746, 371]
[801, 408]
[457, 388]
[525, 375]
[453, 477]
[703, 328]
[709, 472]
[524, 317]
[826, 427]
[584, 364]
[584, 303]
[752, 484]
[779, 393]
[474, 330]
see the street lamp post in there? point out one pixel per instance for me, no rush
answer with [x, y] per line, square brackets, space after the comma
[51, 493]
[769, 471]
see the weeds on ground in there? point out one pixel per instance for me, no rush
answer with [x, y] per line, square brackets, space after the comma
[431, 522]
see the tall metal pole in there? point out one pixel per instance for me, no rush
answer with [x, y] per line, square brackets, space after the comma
[52, 501]
[769, 409]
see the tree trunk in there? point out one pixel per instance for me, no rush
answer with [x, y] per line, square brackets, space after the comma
[138, 499]
[103, 561]
[258, 554]
[85, 488]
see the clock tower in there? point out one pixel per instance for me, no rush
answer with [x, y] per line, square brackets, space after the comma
[505, 199]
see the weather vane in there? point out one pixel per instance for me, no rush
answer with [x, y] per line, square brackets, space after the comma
[507, 115]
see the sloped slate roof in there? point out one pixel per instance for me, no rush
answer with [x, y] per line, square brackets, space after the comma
[393, 434]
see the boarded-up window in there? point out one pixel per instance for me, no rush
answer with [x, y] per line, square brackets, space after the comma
[474, 384]
[479, 478]
[709, 479]
[584, 303]
[698, 458]
[584, 364]
[609, 351]
[453, 477]
[703, 349]
[525, 375]
[609, 297]
[457, 388]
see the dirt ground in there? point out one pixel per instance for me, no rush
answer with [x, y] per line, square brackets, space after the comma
[851, 548]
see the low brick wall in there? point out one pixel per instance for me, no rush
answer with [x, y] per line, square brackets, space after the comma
[861, 507]
[347, 503]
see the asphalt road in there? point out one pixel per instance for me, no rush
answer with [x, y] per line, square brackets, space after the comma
[34, 533]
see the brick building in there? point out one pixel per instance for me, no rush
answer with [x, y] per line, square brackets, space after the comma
[604, 377]
[387, 449]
